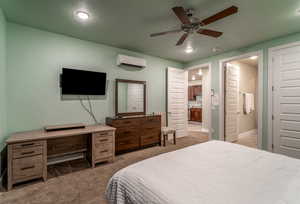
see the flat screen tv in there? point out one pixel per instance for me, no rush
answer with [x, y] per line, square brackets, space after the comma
[80, 82]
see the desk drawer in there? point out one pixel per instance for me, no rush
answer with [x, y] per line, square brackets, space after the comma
[103, 134]
[26, 152]
[103, 151]
[103, 139]
[27, 144]
[27, 167]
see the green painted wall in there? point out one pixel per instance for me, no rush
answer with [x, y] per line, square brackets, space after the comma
[3, 126]
[35, 59]
[264, 46]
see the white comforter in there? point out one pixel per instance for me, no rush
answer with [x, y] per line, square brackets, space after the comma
[209, 173]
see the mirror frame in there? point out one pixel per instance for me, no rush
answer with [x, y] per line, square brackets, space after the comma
[117, 101]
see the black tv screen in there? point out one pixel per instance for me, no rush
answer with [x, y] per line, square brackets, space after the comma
[80, 82]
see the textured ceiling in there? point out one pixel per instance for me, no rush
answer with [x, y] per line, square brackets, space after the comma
[128, 23]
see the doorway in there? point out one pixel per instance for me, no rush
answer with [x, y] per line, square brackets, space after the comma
[241, 77]
[241, 100]
[198, 102]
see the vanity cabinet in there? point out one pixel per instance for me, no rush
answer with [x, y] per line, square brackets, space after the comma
[196, 114]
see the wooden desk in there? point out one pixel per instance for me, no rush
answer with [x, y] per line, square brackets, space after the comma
[30, 152]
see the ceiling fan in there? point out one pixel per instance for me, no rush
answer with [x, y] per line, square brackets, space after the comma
[190, 24]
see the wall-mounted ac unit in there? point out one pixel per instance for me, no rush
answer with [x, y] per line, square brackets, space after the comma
[131, 61]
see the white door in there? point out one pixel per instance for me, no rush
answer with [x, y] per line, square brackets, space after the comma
[286, 101]
[231, 102]
[178, 100]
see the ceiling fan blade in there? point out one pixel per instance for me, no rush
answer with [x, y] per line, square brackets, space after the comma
[211, 33]
[182, 39]
[164, 33]
[180, 13]
[227, 12]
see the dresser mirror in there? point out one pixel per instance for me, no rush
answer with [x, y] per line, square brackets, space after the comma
[130, 97]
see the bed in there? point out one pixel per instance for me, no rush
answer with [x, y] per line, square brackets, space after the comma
[214, 172]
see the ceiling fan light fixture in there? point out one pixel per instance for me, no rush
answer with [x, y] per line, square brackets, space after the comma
[189, 50]
[82, 15]
[253, 57]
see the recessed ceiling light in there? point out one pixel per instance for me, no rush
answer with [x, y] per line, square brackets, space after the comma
[82, 15]
[298, 11]
[189, 50]
[253, 57]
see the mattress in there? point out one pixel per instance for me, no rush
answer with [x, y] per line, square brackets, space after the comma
[214, 172]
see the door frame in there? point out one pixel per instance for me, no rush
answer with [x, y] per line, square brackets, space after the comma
[271, 52]
[206, 65]
[260, 93]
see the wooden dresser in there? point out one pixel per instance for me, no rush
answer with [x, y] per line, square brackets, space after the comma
[30, 152]
[136, 132]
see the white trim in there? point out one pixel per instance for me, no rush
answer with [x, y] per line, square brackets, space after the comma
[209, 66]
[250, 132]
[260, 93]
[270, 92]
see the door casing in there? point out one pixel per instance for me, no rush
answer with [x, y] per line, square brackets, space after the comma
[222, 64]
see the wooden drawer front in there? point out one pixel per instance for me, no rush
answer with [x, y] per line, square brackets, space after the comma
[27, 167]
[29, 151]
[127, 143]
[103, 151]
[103, 134]
[126, 132]
[27, 144]
[151, 130]
[149, 139]
[126, 123]
[151, 122]
[103, 139]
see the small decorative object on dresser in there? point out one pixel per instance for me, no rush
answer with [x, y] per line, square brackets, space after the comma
[30, 152]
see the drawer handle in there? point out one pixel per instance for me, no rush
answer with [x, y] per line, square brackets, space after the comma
[29, 144]
[29, 167]
[103, 140]
[127, 132]
[24, 153]
[104, 151]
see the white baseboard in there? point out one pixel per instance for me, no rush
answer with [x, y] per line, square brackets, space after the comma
[250, 132]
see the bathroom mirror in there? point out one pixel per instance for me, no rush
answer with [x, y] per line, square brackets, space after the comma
[130, 97]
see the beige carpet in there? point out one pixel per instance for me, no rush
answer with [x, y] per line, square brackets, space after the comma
[86, 185]
[249, 140]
